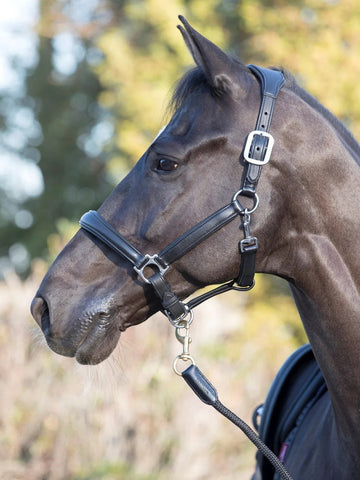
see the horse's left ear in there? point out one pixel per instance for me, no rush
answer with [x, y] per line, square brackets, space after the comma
[222, 72]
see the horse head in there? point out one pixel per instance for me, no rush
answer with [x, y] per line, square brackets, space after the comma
[195, 165]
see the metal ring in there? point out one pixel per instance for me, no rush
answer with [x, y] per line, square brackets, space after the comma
[239, 207]
[184, 358]
[182, 319]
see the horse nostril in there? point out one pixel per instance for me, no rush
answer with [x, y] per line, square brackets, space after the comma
[40, 312]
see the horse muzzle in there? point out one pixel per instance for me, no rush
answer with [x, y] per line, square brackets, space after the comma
[90, 338]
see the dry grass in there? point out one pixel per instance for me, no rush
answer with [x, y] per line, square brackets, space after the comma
[131, 417]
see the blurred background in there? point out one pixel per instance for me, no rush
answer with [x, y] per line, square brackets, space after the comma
[84, 86]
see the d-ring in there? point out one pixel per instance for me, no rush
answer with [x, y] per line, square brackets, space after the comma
[240, 208]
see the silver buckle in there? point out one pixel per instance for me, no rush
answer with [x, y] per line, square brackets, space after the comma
[249, 142]
[146, 262]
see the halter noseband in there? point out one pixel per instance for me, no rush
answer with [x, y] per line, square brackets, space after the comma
[257, 152]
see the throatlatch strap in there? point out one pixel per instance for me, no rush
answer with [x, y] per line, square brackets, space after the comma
[247, 266]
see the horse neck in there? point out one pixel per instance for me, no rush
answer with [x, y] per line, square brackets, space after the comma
[319, 239]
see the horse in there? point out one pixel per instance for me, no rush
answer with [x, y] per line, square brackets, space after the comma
[305, 229]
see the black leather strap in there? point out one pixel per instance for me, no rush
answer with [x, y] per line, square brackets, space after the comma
[169, 301]
[199, 233]
[248, 264]
[225, 287]
[271, 81]
[93, 222]
[258, 153]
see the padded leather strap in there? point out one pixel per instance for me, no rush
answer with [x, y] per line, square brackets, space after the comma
[202, 230]
[94, 223]
[271, 81]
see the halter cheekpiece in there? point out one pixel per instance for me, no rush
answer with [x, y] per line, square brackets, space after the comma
[256, 153]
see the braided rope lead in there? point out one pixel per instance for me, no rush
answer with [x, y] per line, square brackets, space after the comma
[208, 394]
[254, 438]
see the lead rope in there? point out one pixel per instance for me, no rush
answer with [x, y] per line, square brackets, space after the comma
[207, 393]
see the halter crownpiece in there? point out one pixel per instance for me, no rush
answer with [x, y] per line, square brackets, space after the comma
[257, 153]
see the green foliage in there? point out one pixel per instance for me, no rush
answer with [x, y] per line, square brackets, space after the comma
[317, 40]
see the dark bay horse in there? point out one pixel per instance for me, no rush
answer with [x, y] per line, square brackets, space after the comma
[306, 228]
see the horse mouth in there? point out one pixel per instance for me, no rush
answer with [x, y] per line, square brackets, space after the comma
[100, 335]
[90, 339]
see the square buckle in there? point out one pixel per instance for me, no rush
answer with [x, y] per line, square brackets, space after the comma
[146, 262]
[249, 142]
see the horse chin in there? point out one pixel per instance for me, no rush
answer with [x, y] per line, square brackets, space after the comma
[97, 347]
[103, 336]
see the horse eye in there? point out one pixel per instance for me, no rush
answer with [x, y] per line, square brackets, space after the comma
[167, 165]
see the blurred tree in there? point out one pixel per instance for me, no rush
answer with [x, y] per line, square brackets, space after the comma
[72, 161]
[143, 58]
[70, 135]
[317, 40]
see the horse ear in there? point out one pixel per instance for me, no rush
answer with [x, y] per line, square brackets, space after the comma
[222, 72]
